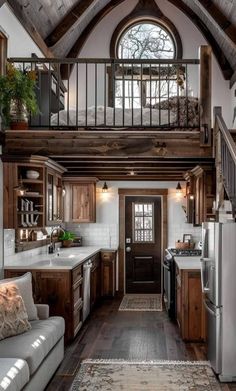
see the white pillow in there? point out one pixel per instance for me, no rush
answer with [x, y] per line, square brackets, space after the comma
[24, 284]
[13, 315]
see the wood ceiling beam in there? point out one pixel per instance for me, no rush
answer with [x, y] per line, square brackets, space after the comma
[76, 48]
[29, 27]
[222, 21]
[67, 22]
[222, 60]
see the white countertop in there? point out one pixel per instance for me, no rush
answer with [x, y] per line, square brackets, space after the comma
[188, 263]
[65, 259]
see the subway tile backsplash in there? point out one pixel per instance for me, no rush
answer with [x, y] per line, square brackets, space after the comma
[95, 234]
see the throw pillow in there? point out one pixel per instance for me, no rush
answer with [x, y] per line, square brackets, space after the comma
[24, 284]
[13, 315]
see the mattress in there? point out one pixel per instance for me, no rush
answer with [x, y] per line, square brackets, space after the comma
[93, 117]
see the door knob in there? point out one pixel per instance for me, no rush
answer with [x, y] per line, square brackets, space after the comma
[128, 249]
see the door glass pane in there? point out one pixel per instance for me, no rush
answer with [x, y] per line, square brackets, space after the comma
[143, 215]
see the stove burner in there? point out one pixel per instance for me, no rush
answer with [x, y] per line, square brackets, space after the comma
[185, 252]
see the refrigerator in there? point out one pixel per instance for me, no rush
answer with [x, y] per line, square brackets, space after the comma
[218, 278]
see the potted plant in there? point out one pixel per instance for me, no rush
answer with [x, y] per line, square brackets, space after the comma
[17, 97]
[67, 238]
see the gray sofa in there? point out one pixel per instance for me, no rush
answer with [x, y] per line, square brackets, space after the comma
[28, 360]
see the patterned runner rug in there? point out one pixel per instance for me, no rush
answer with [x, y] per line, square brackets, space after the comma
[118, 375]
[141, 302]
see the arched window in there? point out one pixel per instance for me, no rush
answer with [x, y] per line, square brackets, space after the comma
[146, 40]
[150, 37]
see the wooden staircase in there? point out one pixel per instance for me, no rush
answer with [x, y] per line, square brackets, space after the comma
[225, 158]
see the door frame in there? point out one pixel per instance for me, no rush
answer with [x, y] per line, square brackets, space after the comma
[123, 193]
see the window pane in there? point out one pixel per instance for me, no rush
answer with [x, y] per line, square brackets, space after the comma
[146, 40]
[143, 224]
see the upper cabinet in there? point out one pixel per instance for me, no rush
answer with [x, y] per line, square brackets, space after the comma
[54, 195]
[80, 199]
[200, 194]
[32, 193]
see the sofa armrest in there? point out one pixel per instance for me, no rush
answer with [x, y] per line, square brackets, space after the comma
[43, 311]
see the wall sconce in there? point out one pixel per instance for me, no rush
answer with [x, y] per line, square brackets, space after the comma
[105, 188]
[178, 189]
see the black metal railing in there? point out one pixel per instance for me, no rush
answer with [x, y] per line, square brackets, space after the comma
[114, 93]
[225, 157]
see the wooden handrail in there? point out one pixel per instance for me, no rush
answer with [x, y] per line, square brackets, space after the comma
[225, 133]
[225, 154]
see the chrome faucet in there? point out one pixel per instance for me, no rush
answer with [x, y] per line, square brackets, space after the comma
[51, 247]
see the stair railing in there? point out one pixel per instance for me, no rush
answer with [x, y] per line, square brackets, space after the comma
[225, 156]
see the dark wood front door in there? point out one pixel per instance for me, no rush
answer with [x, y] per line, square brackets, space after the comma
[143, 244]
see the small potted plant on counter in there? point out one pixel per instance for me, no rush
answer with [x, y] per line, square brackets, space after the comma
[67, 238]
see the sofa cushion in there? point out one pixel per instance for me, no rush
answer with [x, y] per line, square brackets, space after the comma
[14, 374]
[24, 284]
[13, 315]
[34, 345]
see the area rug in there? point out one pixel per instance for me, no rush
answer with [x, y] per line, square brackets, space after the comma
[116, 375]
[141, 302]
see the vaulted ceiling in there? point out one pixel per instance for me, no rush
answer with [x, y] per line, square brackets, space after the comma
[60, 27]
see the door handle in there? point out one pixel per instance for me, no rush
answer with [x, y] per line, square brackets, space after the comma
[204, 288]
[128, 249]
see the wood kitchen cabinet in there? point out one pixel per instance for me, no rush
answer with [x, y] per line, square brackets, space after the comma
[39, 203]
[54, 197]
[190, 312]
[80, 200]
[62, 291]
[108, 270]
[200, 194]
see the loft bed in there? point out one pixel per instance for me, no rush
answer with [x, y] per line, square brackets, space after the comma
[84, 100]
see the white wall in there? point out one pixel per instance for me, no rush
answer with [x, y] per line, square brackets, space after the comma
[105, 231]
[20, 43]
[98, 44]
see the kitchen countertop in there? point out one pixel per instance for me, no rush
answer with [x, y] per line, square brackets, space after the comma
[188, 263]
[67, 259]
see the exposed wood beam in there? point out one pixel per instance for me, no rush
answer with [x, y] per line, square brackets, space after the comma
[29, 27]
[76, 48]
[233, 80]
[222, 60]
[222, 21]
[67, 22]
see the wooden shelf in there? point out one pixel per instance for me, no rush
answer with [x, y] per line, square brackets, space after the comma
[31, 196]
[34, 181]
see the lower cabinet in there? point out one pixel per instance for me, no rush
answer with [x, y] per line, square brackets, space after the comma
[62, 291]
[108, 266]
[189, 305]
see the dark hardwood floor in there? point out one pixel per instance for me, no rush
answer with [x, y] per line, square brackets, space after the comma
[113, 334]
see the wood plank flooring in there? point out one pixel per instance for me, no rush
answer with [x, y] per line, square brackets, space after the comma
[110, 334]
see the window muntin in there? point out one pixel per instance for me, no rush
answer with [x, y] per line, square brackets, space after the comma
[146, 40]
[143, 222]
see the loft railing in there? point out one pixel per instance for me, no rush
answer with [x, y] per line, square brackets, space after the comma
[225, 154]
[114, 93]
